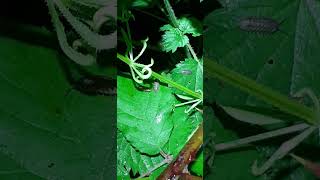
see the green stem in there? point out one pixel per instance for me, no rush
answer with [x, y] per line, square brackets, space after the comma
[192, 52]
[176, 85]
[165, 80]
[171, 14]
[138, 43]
[188, 54]
[265, 93]
[175, 23]
[129, 35]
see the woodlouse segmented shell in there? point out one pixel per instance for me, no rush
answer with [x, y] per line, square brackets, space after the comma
[259, 25]
[156, 86]
[186, 72]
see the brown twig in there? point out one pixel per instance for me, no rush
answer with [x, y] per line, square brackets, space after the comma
[186, 155]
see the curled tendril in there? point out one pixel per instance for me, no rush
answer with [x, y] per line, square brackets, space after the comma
[139, 71]
[190, 100]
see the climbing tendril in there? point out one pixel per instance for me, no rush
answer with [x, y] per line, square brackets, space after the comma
[139, 71]
[190, 100]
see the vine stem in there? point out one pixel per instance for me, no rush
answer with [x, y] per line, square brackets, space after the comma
[173, 19]
[165, 80]
[267, 94]
[192, 52]
[171, 14]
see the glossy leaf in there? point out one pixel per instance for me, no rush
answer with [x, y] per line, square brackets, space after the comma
[143, 117]
[188, 73]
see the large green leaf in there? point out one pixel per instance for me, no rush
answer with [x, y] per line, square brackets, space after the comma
[44, 131]
[144, 117]
[263, 57]
[184, 126]
[130, 159]
[285, 60]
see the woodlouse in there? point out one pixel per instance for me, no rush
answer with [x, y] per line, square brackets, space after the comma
[259, 24]
[96, 85]
[156, 86]
[186, 72]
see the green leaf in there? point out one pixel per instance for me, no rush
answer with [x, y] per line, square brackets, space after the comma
[44, 131]
[143, 117]
[172, 38]
[130, 159]
[184, 126]
[282, 60]
[188, 73]
[190, 26]
[197, 165]
[143, 3]
[175, 37]
[285, 60]
[237, 161]
[263, 58]
[155, 174]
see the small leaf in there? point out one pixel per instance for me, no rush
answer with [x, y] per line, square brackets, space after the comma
[190, 26]
[197, 165]
[172, 38]
[143, 3]
[184, 125]
[175, 37]
[166, 27]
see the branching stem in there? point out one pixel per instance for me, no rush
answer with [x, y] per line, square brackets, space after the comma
[165, 80]
[175, 23]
